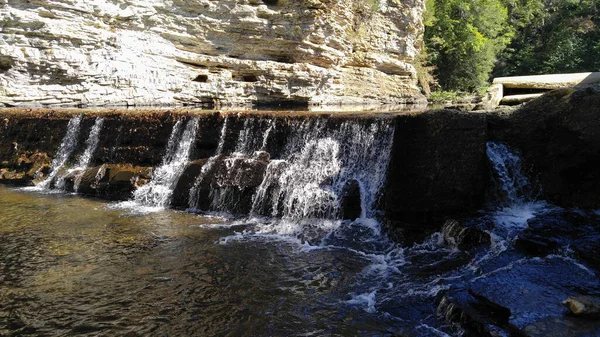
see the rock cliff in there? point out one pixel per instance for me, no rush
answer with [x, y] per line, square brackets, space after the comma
[95, 52]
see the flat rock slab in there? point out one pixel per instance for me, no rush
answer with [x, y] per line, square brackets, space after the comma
[533, 289]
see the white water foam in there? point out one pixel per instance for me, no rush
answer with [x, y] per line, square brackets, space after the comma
[519, 205]
[367, 301]
[157, 194]
[67, 146]
[91, 144]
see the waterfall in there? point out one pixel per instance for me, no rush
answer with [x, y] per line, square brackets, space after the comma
[67, 146]
[158, 192]
[266, 135]
[195, 190]
[91, 144]
[516, 204]
[321, 163]
[251, 143]
[507, 166]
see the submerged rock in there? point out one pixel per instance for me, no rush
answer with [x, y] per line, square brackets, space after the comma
[532, 290]
[113, 182]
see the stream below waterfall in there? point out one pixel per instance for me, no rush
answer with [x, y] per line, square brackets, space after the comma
[74, 266]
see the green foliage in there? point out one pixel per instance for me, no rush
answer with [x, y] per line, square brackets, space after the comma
[442, 96]
[553, 36]
[463, 39]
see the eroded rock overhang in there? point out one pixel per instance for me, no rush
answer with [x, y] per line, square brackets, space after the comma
[165, 52]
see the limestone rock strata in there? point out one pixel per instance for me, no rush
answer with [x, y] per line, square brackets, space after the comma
[94, 52]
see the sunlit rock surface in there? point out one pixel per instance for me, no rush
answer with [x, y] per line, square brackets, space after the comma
[94, 52]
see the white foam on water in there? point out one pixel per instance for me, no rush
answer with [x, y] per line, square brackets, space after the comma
[367, 301]
[67, 146]
[433, 330]
[134, 208]
[91, 144]
[515, 216]
[156, 195]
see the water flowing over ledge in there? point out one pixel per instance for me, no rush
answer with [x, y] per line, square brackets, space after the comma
[334, 198]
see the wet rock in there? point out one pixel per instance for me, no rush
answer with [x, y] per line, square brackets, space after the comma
[559, 231]
[113, 182]
[71, 179]
[584, 306]
[561, 327]
[464, 237]
[476, 318]
[350, 205]
[14, 178]
[181, 193]
[532, 291]
[558, 136]
[89, 180]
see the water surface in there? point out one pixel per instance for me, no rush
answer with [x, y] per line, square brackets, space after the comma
[75, 266]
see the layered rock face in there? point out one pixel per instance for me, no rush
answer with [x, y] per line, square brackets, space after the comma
[94, 52]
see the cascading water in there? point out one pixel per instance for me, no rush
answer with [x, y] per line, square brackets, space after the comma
[507, 166]
[301, 195]
[67, 146]
[159, 191]
[249, 151]
[195, 190]
[91, 144]
[516, 203]
[84, 160]
[319, 259]
[320, 164]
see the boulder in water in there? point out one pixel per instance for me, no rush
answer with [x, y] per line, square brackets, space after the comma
[464, 236]
[113, 182]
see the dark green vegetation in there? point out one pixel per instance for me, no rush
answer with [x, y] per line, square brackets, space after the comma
[467, 41]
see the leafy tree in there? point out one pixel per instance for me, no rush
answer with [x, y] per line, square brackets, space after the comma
[463, 39]
[559, 36]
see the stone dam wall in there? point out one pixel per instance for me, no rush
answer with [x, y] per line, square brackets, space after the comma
[157, 52]
[428, 176]
[437, 166]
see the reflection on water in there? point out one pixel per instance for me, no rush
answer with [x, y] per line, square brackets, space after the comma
[74, 266]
